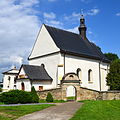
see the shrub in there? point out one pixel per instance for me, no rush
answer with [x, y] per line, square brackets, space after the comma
[49, 97]
[35, 98]
[0, 89]
[16, 96]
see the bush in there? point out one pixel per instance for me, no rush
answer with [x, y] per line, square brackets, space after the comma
[35, 98]
[0, 89]
[49, 97]
[16, 96]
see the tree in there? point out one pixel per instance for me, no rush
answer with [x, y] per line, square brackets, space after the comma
[35, 97]
[113, 77]
[111, 56]
[49, 97]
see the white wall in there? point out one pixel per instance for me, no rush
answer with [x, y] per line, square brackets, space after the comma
[44, 44]
[7, 82]
[104, 71]
[26, 83]
[72, 63]
[51, 65]
[36, 84]
[46, 85]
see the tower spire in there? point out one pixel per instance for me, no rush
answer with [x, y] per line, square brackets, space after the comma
[82, 28]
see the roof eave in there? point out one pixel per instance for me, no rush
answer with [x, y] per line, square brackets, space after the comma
[84, 55]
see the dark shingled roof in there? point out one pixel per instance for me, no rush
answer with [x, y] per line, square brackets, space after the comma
[73, 43]
[36, 72]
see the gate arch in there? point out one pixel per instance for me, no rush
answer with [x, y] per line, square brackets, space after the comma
[70, 86]
[71, 92]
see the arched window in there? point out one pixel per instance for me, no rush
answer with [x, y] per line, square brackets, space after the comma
[9, 78]
[89, 75]
[79, 73]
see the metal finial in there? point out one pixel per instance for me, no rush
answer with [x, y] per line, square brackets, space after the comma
[82, 13]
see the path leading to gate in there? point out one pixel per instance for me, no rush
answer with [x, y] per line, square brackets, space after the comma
[62, 111]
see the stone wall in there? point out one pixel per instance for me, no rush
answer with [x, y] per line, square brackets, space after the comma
[111, 95]
[82, 94]
[88, 94]
[56, 93]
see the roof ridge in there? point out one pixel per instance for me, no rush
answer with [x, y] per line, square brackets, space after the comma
[60, 29]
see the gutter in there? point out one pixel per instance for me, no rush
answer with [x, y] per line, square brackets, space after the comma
[100, 73]
[64, 63]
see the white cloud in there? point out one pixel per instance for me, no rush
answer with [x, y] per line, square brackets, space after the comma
[50, 15]
[93, 11]
[117, 14]
[76, 16]
[74, 30]
[73, 17]
[54, 23]
[19, 25]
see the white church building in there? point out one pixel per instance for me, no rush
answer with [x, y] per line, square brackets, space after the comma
[57, 52]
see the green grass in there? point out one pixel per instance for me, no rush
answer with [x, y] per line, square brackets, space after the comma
[71, 98]
[1, 103]
[13, 112]
[98, 110]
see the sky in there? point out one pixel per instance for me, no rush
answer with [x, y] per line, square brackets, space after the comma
[20, 21]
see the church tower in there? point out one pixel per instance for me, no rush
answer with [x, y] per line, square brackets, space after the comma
[82, 28]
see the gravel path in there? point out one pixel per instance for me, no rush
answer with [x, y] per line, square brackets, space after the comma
[25, 104]
[62, 111]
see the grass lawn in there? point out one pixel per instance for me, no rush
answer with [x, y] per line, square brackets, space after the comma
[13, 112]
[99, 110]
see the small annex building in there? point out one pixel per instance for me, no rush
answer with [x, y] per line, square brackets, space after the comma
[9, 79]
[36, 76]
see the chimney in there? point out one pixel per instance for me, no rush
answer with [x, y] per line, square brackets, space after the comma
[82, 28]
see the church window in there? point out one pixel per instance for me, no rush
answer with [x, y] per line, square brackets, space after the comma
[9, 78]
[14, 80]
[89, 75]
[79, 73]
[71, 76]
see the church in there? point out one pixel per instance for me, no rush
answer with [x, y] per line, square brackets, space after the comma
[57, 53]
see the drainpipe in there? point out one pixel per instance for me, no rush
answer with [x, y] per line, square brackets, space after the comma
[100, 73]
[64, 63]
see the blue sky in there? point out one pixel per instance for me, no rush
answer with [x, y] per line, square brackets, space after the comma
[20, 21]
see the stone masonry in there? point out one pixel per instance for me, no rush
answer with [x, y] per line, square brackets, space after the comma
[71, 79]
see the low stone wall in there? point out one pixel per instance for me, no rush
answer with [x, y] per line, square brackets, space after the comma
[56, 93]
[88, 94]
[111, 95]
[82, 94]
